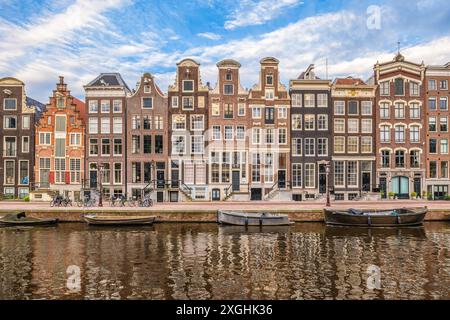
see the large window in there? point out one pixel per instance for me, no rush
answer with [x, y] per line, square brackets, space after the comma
[228, 89]
[117, 173]
[322, 122]
[93, 125]
[179, 122]
[136, 144]
[106, 147]
[188, 85]
[366, 126]
[296, 122]
[322, 146]
[282, 135]
[353, 108]
[432, 125]
[352, 146]
[228, 111]
[240, 132]
[159, 144]
[366, 108]
[414, 110]
[296, 146]
[322, 100]
[105, 106]
[433, 169]
[24, 177]
[443, 124]
[269, 136]
[197, 144]
[385, 88]
[353, 125]
[399, 134]
[432, 103]
[414, 88]
[45, 138]
[352, 173]
[443, 103]
[268, 168]
[75, 170]
[433, 146]
[339, 108]
[296, 100]
[60, 170]
[385, 110]
[117, 125]
[256, 112]
[10, 122]
[366, 144]
[256, 135]
[10, 147]
[105, 125]
[414, 134]
[147, 144]
[339, 144]
[339, 125]
[310, 175]
[444, 146]
[147, 103]
[399, 85]
[188, 103]
[136, 172]
[256, 167]
[117, 147]
[269, 115]
[136, 122]
[310, 120]
[93, 147]
[310, 144]
[9, 104]
[385, 159]
[197, 122]
[339, 174]
[297, 175]
[93, 106]
[310, 101]
[399, 110]
[228, 132]
[399, 159]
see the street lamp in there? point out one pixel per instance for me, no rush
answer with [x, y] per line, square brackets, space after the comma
[100, 173]
[328, 169]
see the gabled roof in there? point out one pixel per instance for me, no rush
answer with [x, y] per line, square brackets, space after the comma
[39, 107]
[269, 60]
[350, 81]
[228, 63]
[80, 106]
[108, 80]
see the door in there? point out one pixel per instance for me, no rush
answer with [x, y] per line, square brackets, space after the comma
[282, 179]
[256, 194]
[215, 194]
[173, 196]
[236, 180]
[418, 186]
[383, 187]
[160, 196]
[160, 179]
[175, 178]
[93, 179]
[400, 186]
[366, 181]
[322, 179]
[45, 178]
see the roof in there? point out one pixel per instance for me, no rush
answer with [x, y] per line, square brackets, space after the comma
[349, 82]
[80, 106]
[39, 107]
[228, 63]
[269, 60]
[108, 79]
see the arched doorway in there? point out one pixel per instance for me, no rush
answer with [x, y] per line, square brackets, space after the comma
[400, 186]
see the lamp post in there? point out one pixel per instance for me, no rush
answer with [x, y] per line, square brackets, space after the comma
[328, 169]
[100, 176]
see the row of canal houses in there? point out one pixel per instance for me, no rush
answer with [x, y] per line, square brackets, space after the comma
[389, 134]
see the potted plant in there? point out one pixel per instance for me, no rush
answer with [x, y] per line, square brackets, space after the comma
[414, 195]
[382, 194]
[391, 195]
[429, 196]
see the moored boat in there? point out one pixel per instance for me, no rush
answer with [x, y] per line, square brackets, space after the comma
[252, 219]
[21, 219]
[403, 217]
[119, 220]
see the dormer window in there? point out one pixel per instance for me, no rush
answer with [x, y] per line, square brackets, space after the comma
[147, 89]
[147, 103]
[399, 86]
[229, 76]
[188, 85]
[9, 104]
[269, 79]
[60, 102]
[270, 94]
[228, 89]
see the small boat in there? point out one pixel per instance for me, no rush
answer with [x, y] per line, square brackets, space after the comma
[119, 220]
[21, 219]
[374, 218]
[252, 219]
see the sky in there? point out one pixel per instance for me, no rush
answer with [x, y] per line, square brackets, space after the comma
[79, 39]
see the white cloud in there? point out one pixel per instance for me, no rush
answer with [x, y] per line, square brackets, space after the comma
[251, 12]
[210, 35]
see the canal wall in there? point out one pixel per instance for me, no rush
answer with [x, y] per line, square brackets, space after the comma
[188, 215]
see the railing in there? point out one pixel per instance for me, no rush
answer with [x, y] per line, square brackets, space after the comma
[186, 190]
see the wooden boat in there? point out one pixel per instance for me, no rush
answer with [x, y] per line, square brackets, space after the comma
[252, 219]
[119, 220]
[374, 218]
[21, 219]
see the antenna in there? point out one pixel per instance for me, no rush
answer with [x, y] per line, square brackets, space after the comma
[398, 44]
[326, 62]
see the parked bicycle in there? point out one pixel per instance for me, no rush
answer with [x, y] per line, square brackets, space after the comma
[146, 202]
[119, 200]
[86, 202]
[56, 201]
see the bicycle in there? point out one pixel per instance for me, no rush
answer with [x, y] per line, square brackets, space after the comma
[56, 201]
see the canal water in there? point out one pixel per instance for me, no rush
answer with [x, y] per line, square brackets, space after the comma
[204, 261]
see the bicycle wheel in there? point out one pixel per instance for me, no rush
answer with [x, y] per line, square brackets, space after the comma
[52, 203]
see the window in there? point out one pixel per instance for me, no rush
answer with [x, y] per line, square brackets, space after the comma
[322, 147]
[10, 147]
[228, 111]
[282, 113]
[9, 172]
[297, 175]
[443, 103]
[44, 138]
[269, 115]
[178, 122]
[256, 167]
[385, 88]
[366, 126]
[117, 147]
[10, 122]
[399, 159]
[339, 174]
[9, 104]
[433, 169]
[60, 147]
[188, 103]
[75, 139]
[216, 133]
[443, 124]
[105, 125]
[256, 135]
[399, 134]
[178, 145]
[188, 85]
[106, 147]
[385, 110]
[136, 172]
[60, 170]
[93, 147]
[310, 175]
[159, 123]
[174, 102]
[135, 144]
[296, 122]
[197, 144]
[414, 88]
[93, 125]
[93, 106]
[352, 173]
[339, 125]
[366, 144]
[240, 133]
[399, 85]
[269, 79]
[353, 108]
[431, 84]
[399, 111]
[197, 122]
[75, 170]
[432, 125]
[136, 122]
[105, 107]
[117, 106]
[60, 102]
[353, 125]
[443, 84]
[296, 146]
[385, 134]
[296, 100]
[201, 102]
[159, 144]
[322, 122]
[228, 89]
[117, 173]
[24, 177]
[228, 132]
[352, 144]
[229, 76]
[147, 144]
[432, 103]
[26, 122]
[256, 112]
[366, 108]
[414, 110]
[25, 144]
[322, 100]
[147, 103]
[339, 144]
[310, 145]
[414, 134]
[241, 109]
[117, 125]
[444, 169]
[310, 101]
[270, 94]
[433, 146]
[310, 120]
[444, 146]
[269, 136]
[147, 89]
[385, 159]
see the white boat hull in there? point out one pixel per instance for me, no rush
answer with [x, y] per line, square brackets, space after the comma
[252, 219]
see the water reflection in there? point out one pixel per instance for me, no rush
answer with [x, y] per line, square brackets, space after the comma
[203, 261]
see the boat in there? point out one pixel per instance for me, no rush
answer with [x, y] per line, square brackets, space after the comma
[252, 219]
[119, 220]
[21, 219]
[403, 217]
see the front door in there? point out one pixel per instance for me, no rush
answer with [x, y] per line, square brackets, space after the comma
[160, 179]
[366, 181]
[175, 178]
[45, 178]
[215, 195]
[418, 186]
[400, 186]
[93, 179]
[236, 180]
[322, 179]
[383, 187]
[256, 194]
[282, 179]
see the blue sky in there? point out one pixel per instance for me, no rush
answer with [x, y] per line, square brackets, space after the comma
[40, 40]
